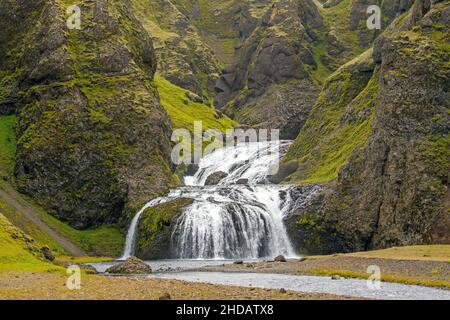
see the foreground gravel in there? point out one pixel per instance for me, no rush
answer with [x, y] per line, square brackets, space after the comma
[52, 286]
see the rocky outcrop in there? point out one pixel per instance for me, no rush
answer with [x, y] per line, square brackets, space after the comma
[184, 58]
[269, 86]
[132, 265]
[344, 109]
[93, 141]
[389, 11]
[156, 228]
[391, 190]
[215, 178]
[280, 258]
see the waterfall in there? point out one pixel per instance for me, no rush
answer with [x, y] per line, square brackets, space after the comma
[239, 218]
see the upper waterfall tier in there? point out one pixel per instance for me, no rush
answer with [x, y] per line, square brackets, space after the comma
[251, 161]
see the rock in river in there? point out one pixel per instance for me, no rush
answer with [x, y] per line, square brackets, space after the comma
[215, 178]
[132, 265]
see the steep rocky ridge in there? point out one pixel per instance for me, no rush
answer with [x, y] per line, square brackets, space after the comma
[276, 76]
[269, 85]
[184, 58]
[390, 189]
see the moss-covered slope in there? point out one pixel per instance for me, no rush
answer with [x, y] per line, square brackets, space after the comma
[339, 123]
[277, 71]
[93, 140]
[391, 189]
[18, 252]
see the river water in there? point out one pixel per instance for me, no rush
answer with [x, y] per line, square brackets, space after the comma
[180, 270]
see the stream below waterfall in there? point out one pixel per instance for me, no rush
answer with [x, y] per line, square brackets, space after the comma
[239, 218]
[184, 270]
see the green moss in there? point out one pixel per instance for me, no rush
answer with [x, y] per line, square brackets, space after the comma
[155, 219]
[308, 220]
[322, 72]
[23, 223]
[436, 153]
[184, 112]
[340, 122]
[16, 253]
[7, 145]
[337, 19]
[106, 240]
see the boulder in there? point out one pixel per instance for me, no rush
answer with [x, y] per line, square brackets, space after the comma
[242, 181]
[194, 98]
[47, 253]
[165, 296]
[215, 178]
[280, 258]
[285, 170]
[192, 169]
[156, 227]
[132, 265]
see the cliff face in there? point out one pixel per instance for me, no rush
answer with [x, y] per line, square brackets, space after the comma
[277, 71]
[93, 141]
[392, 189]
[269, 85]
[184, 58]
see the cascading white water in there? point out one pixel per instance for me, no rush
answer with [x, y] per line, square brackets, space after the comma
[230, 220]
[233, 222]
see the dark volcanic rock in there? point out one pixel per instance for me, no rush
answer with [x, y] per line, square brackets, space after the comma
[156, 229]
[242, 181]
[389, 11]
[165, 296]
[132, 265]
[215, 178]
[47, 253]
[269, 86]
[280, 258]
[194, 98]
[285, 169]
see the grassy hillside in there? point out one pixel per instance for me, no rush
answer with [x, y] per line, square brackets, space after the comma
[184, 112]
[102, 241]
[17, 218]
[339, 123]
[16, 251]
[421, 253]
